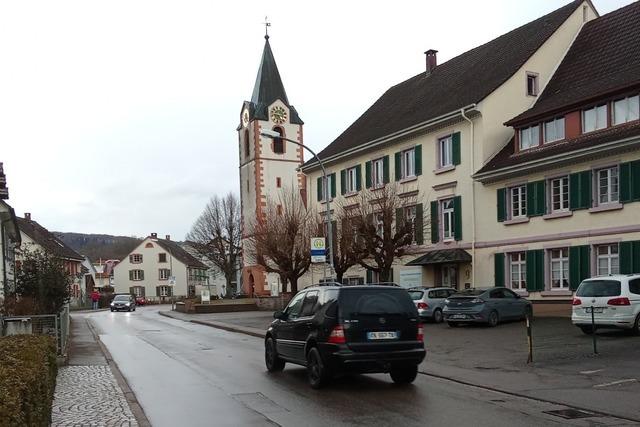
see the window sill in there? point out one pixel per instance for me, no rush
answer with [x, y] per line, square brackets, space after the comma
[557, 215]
[408, 179]
[378, 187]
[348, 195]
[558, 293]
[325, 202]
[606, 207]
[516, 221]
[444, 169]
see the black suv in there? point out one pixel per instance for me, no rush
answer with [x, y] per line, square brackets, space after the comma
[334, 329]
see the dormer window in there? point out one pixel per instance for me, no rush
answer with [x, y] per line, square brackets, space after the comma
[594, 118]
[554, 130]
[529, 137]
[626, 110]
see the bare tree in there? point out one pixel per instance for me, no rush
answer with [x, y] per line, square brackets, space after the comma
[280, 239]
[388, 227]
[216, 235]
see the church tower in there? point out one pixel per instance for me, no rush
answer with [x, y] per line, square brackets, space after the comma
[267, 166]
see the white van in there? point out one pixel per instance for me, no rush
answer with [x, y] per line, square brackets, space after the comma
[614, 300]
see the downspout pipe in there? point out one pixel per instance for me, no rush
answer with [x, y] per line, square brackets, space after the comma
[473, 199]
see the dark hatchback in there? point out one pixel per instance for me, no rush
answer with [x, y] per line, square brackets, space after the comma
[334, 329]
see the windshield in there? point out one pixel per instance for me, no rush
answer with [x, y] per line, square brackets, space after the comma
[371, 302]
[416, 295]
[121, 298]
[599, 288]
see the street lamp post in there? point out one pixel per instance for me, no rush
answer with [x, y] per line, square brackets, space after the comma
[273, 134]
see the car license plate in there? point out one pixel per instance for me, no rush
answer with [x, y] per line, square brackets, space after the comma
[458, 316]
[382, 335]
[595, 309]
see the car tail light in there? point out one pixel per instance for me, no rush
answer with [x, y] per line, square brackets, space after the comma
[337, 335]
[422, 305]
[619, 301]
[576, 301]
[420, 336]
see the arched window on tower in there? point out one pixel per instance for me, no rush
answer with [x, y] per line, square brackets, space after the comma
[278, 143]
[246, 143]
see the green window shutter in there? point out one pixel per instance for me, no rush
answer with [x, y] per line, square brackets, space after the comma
[319, 184]
[579, 265]
[498, 263]
[369, 276]
[398, 166]
[358, 177]
[536, 198]
[333, 184]
[502, 206]
[385, 169]
[457, 216]
[343, 182]
[141, 274]
[399, 219]
[535, 270]
[435, 235]
[635, 180]
[580, 190]
[367, 174]
[419, 224]
[418, 159]
[625, 182]
[455, 148]
[630, 257]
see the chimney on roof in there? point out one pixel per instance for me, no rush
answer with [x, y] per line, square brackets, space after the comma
[432, 60]
[167, 237]
[154, 235]
[27, 216]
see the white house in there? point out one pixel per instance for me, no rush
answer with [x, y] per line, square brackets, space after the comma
[159, 268]
[9, 239]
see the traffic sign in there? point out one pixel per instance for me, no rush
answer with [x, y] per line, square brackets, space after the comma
[318, 250]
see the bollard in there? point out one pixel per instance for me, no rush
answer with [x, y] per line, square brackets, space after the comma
[593, 330]
[529, 337]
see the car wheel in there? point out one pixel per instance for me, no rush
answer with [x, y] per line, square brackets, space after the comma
[271, 358]
[453, 324]
[586, 329]
[437, 316]
[112, 310]
[636, 326]
[493, 319]
[404, 375]
[316, 371]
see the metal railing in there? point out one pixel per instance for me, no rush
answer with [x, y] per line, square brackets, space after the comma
[56, 326]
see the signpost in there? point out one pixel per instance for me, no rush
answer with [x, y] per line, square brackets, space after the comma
[318, 250]
[205, 294]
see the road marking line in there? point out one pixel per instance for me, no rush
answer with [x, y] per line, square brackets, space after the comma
[629, 380]
[591, 372]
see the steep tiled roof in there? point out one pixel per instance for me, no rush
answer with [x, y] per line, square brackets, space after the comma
[47, 240]
[461, 81]
[180, 254]
[604, 58]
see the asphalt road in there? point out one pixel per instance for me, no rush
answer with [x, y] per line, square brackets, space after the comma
[192, 375]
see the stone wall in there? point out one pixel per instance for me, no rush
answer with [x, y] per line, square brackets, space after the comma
[273, 303]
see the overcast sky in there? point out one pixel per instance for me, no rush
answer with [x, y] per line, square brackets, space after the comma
[119, 117]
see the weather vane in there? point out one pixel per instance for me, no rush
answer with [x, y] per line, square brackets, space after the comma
[267, 24]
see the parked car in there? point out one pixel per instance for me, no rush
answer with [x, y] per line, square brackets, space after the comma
[485, 305]
[430, 302]
[140, 300]
[123, 302]
[615, 301]
[334, 329]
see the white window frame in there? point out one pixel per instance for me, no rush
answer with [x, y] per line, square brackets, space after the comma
[410, 216]
[164, 274]
[328, 184]
[377, 173]
[409, 163]
[559, 269]
[135, 258]
[563, 196]
[518, 201]
[553, 130]
[630, 104]
[447, 215]
[611, 257]
[518, 265]
[534, 77]
[164, 291]
[352, 180]
[610, 192]
[445, 151]
[599, 113]
[136, 275]
[138, 290]
[528, 132]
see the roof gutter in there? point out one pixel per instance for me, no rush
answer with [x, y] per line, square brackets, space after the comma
[399, 134]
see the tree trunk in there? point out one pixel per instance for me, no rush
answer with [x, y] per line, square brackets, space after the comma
[294, 285]
[384, 275]
[339, 275]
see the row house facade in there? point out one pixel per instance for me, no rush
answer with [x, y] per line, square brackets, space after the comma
[158, 269]
[562, 198]
[9, 239]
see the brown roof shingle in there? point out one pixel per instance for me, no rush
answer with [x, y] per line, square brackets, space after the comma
[180, 254]
[47, 240]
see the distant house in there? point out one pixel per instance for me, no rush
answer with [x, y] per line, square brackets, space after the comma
[217, 281]
[159, 268]
[35, 237]
[104, 272]
[9, 239]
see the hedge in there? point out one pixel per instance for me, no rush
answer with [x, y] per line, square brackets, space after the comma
[28, 372]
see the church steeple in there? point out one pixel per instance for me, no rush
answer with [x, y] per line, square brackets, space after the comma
[268, 87]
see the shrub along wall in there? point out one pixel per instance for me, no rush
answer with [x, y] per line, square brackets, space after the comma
[28, 372]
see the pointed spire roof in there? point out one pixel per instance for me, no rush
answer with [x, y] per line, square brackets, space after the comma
[268, 85]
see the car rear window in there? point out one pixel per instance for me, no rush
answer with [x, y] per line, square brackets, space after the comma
[599, 288]
[470, 292]
[416, 295]
[358, 302]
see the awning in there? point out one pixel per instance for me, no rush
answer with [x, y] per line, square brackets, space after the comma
[442, 256]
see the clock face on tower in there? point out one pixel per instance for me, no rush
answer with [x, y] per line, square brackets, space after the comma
[245, 118]
[278, 115]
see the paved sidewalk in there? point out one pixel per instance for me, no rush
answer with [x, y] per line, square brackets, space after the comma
[87, 392]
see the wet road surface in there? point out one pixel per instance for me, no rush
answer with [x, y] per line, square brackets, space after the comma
[185, 374]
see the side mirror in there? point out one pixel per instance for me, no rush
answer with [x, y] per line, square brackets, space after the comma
[279, 315]
[518, 296]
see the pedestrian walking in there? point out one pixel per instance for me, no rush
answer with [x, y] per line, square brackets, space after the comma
[95, 299]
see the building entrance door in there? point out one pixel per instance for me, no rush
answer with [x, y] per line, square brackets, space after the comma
[450, 276]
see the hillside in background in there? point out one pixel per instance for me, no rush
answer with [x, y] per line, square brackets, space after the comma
[97, 246]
